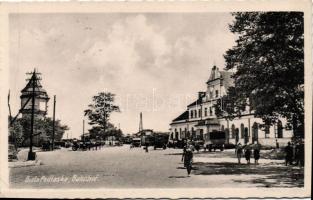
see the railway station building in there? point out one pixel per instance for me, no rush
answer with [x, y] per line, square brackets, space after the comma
[199, 118]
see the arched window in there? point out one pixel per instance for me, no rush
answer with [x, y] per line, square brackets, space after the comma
[242, 130]
[233, 131]
[279, 129]
[246, 135]
[255, 132]
[222, 128]
[236, 135]
[267, 130]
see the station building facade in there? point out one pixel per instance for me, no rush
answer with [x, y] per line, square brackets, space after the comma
[199, 118]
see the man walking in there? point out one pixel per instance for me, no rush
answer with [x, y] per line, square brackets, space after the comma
[188, 160]
[239, 152]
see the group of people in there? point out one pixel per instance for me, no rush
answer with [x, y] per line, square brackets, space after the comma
[295, 152]
[247, 150]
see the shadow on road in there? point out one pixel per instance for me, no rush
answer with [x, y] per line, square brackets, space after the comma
[173, 154]
[178, 177]
[273, 175]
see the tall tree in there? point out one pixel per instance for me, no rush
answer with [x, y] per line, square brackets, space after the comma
[20, 129]
[268, 60]
[100, 110]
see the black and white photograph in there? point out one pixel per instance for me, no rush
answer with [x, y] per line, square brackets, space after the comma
[158, 100]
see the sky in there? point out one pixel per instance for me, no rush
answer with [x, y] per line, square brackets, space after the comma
[155, 63]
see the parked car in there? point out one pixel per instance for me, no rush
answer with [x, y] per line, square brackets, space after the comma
[160, 141]
[136, 142]
[215, 140]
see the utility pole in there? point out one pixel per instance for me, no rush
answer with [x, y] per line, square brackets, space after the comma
[31, 154]
[84, 131]
[53, 128]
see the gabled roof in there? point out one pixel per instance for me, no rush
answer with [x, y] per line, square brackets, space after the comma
[225, 76]
[183, 116]
[197, 102]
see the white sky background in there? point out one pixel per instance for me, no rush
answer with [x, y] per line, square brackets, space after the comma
[154, 63]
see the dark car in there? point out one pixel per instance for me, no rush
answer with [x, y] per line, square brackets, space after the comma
[215, 140]
[160, 141]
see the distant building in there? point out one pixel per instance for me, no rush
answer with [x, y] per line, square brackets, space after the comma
[41, 98]
[40, 106]
[200, 119]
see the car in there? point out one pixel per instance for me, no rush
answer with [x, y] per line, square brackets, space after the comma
[136, 142]
[215, 140]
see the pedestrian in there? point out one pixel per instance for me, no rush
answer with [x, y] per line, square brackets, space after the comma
[277, 144]
[239, 152]
[197, 147]
[147, 147]
[256, 155]
[289, 154]
[247, 154]
[188, 160]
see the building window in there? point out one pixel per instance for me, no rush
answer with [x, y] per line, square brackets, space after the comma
[255, 132]
[222, 128]
[195, 113]
[199, 113]
[233, 131]
[211, 95]
[191, 114]
[236, 135]
[279, 129]
[242, 130]
[211, 113]
[205, 111]
[246, 135]
[216, 93]
[267, 131]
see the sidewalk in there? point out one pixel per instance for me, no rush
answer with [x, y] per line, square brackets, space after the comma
[22, 160]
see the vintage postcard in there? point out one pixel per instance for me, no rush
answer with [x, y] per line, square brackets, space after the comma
[199, 99]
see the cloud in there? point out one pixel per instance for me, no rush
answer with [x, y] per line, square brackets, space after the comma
[136, 56]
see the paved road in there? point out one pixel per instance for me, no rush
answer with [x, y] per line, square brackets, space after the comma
[122, 167]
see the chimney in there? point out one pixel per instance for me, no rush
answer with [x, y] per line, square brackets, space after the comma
[201, 94]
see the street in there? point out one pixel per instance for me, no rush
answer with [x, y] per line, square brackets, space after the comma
[122, 167]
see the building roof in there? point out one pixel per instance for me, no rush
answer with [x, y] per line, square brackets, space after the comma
[225, 76]
[183, 116]
[28, 89]
[197, 102]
